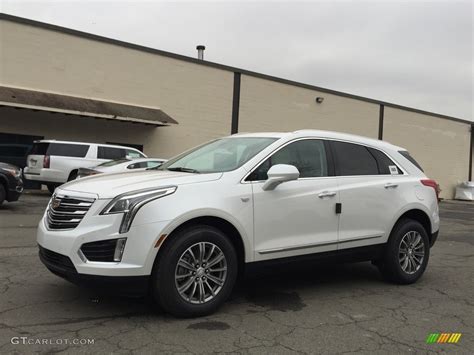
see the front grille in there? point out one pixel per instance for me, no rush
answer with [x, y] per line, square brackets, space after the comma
[65, 212]
[56, 261]
[99, 251]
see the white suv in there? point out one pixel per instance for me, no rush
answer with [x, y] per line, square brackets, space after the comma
[189, 227]
[53, 163]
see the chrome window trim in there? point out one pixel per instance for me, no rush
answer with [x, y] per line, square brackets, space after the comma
[243, 180]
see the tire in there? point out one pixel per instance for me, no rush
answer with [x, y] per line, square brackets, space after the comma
[51, 188]
[3, 193]
[407, 253]
[165, 285]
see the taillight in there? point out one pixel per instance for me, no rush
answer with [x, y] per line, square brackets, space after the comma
[433, 184]
[46, 161]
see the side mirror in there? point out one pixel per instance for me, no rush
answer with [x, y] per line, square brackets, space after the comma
[280, 173]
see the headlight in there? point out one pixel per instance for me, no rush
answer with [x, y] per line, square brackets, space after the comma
[13, 172]
[130, 202]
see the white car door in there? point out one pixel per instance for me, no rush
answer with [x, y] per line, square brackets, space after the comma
[369, 187]
[297, 217]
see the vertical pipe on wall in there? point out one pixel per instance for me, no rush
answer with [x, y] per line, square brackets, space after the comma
[381, 113]
[235, 104]
[471, 152]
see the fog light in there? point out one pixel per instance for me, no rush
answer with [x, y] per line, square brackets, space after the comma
[119, 248]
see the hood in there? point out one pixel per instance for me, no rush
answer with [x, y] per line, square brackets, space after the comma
[110, 185]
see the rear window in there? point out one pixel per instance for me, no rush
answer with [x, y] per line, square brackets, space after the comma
[384, 162]
[60, 149]
[410, 158]
[39, 148]
[354, 159]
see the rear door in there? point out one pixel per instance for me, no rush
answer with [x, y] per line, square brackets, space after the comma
[369, 186]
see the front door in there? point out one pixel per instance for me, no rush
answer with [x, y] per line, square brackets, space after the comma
[297, 217]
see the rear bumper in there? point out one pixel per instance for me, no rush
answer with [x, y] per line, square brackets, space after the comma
[44, 175]
[61, 265]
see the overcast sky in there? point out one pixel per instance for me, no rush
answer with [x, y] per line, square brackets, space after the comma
[413, 53]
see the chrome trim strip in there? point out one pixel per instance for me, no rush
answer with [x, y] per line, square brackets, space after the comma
[314, 245]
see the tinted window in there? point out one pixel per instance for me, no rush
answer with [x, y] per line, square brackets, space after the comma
[308, 156]
[67, 150]
[383, 162]
[137, 165]
[60, 149]
[353, 159]
[39, 148]
[410, 158]
[110, 153]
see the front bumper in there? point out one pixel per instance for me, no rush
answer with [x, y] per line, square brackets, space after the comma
[138, 256]
[15, 190]
[62, 266]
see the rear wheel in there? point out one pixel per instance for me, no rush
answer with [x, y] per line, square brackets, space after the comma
[407, 253]
[3, 193]
[195, 273]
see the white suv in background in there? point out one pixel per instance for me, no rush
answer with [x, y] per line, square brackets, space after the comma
[188, 228]
[53, 163]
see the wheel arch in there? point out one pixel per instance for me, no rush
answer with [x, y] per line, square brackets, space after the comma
[223, 224]
[418, 215]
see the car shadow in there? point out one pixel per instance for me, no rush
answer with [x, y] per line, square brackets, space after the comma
[276, 288]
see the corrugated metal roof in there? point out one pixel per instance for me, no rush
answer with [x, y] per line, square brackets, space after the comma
[45, 101]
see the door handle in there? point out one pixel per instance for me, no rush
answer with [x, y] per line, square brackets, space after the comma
[327, 194]
[390, 185]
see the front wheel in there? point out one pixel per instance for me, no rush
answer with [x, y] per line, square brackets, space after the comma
[407, 253]
[195, 272]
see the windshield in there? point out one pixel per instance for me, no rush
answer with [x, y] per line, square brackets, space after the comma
[221, 155]
[114, 162]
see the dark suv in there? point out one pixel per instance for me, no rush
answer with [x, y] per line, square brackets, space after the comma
[11, 184]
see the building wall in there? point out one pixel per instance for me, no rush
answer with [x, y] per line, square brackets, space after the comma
[440, 146]
[198, 97]
[272, 106]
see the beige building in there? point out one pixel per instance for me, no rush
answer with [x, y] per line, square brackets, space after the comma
[59, 83]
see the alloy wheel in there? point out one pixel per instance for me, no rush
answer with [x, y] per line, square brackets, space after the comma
[411, 252]
[201, 272]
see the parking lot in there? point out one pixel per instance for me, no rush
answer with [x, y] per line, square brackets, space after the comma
[321, 309]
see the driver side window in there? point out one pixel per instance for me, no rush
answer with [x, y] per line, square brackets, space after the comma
[308, 156]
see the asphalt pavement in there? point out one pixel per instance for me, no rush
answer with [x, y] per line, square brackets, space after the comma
[327, 309]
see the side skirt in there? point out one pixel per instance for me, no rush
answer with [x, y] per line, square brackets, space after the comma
[350, 255]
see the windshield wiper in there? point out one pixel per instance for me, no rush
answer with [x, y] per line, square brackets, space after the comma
[185, 170]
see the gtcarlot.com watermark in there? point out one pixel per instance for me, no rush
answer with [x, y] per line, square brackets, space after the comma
[45, 341]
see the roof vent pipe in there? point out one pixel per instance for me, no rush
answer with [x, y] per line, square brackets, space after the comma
[200, 50]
